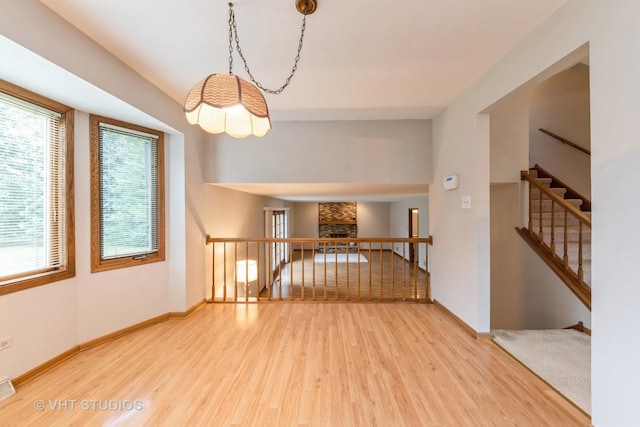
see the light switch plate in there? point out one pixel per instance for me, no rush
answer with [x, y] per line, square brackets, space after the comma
[466, 202]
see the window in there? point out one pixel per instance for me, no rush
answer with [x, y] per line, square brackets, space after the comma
[36, 197]
[127, 195]
[279, 250]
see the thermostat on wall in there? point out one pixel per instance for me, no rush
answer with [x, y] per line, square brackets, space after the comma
[450, 182]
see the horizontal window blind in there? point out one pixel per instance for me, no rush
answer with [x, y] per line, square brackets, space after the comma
[128, 162]
[32, 189]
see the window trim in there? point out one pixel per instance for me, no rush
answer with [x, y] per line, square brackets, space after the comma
[98, 264]
[68, 270]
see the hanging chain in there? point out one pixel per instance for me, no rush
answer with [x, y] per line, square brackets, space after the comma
[231, 20]
[232, 23]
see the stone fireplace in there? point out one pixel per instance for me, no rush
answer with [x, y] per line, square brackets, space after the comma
[337, 220]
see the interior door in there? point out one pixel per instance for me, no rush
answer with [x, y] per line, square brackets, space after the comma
[413, 232]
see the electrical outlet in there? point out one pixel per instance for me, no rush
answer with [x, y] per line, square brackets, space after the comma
[6, 342]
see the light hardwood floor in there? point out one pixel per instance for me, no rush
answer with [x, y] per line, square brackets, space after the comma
[383, 276]
[284, 364]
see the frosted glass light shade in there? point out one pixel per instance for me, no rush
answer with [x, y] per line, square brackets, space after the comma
[226, 103]
[246, 271]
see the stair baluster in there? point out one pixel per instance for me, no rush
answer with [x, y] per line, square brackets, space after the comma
[570, 263]
[580, 271]
[565, 256]
[553, 230]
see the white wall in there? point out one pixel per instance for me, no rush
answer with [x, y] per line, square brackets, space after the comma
[113, 299]
[615, 145]
[509, 131]
[328, 152]
[561, 105]
[612, 31]
[44, 320]
[525, 292]
[50, 319]
[460, 272]
[47, 320]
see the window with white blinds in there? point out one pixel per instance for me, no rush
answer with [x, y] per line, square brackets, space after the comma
[33, 192]
[129, 192]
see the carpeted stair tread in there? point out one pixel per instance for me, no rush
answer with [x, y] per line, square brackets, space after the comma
[573, 233]
[558, 220]
[535, 193]
[546, 205]
[541, 222]
[544, 181]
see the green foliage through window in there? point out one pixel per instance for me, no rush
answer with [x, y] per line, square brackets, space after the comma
[32, 196]
[128, 193]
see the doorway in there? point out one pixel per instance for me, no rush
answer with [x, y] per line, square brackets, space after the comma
[413, 232]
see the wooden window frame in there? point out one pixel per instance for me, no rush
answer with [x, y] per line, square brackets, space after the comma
[98, 264]
[21, 282]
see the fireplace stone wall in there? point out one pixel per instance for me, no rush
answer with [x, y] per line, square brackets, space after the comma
[338, 220]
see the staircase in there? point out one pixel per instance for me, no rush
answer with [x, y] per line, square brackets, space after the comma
[559, 230]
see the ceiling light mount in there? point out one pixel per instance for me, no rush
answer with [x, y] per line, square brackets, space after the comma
[227, 103]
[306, 7]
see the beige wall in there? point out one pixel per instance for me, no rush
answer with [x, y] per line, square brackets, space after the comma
[509, 132]
[525, 293]
[45, 321]
[399, 224]
[461, 143]
[373, 219]
[306, 217]
[243, 215]
[376, 151]
[561, 105]
[615, 142]
[48, 320]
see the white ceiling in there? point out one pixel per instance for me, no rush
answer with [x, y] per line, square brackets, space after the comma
[361, 59]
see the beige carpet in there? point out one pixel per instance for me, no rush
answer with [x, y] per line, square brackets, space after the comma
[561, 357]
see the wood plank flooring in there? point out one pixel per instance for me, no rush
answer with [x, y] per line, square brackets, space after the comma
[384, 276]
[284, 364]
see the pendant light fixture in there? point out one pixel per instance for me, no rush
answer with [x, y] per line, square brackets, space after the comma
[227, 103]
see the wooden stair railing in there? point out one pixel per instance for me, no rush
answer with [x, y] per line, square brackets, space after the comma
[319, 269]
[560, 233]
[565, 141]
[570, 194]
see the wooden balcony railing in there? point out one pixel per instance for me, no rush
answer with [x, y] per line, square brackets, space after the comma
[319, 269]
[561, 234]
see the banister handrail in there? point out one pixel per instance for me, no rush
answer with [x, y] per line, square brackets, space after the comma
[312, 268]
[561, 201]
[563, 245]
[428, 240]
[565, 141]
[570, 194]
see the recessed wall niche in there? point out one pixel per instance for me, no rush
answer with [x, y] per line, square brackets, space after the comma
[338, 219]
